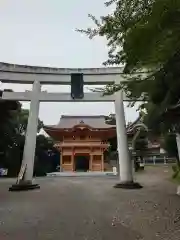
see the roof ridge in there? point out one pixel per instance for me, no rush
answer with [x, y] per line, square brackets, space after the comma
[82, 116]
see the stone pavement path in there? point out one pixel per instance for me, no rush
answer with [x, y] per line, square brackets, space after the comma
[81, 208]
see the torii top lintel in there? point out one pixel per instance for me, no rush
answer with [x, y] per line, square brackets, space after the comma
[13, 73]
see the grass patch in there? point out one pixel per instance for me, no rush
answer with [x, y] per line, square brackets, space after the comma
[176, 174]
[175, 180]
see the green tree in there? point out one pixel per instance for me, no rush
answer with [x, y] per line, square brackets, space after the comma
[44, 155]
[9, 112]
[144, 36]
[139, 147]
[169, 144]
[22, 121]
[13, 124]
[136, 24]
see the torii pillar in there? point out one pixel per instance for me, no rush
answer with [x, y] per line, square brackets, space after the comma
[125, 163]
[25, 178]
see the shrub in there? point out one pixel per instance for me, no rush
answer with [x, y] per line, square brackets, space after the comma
[176, 171]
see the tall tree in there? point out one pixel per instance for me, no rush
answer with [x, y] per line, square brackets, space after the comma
[45, 156]
[13, 124]
[143, 36]
[169, 144]
[136, 24]
[9, 112]
[22, 121]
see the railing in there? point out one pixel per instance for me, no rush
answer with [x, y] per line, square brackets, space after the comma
[158, 160]
[83, 144]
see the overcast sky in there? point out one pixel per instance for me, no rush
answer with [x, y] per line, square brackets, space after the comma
[42, 32]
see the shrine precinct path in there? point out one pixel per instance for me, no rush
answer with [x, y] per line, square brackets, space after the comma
[89, 208]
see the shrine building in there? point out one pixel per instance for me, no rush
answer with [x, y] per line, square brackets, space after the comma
[82, 141]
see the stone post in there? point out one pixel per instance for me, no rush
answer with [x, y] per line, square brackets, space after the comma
[102, 162]
[72, 162]
[178, 143]
[91, 163]
[178, 148]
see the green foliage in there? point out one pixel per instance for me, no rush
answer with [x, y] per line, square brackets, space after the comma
[22, 121]
[169, 144]
[139, 32]
[9, 112]
[159, 30]
[143, 36]
[141, 144]
[43, 143]
[176, 172]
[13, 124]
[43, 160]
[116, 26]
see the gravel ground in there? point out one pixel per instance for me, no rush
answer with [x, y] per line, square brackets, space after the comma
[87, 208]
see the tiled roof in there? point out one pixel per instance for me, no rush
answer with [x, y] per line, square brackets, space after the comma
[97, 121]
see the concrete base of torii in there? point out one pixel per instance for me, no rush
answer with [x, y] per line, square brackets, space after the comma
[24, 186]
[128, 185]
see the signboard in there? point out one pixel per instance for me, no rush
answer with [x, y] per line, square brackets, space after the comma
[3, 172]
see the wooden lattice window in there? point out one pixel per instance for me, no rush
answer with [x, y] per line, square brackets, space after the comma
[97, 159]
[66, 159]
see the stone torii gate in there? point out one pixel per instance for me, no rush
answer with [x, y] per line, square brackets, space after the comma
[38, 76]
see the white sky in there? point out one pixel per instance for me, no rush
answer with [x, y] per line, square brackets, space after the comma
[42, 32]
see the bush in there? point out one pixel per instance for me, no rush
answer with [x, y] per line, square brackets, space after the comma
[176, 171]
